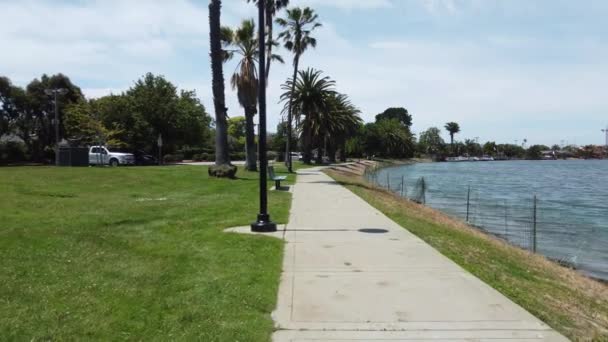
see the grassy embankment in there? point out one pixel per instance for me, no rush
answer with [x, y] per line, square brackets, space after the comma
[569, 302]
[135, 253]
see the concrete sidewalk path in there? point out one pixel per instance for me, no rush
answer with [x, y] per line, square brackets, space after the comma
[352, 274]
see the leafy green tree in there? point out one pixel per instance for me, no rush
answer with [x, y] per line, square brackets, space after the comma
[237, 134]
[534, 152]
[298, 26]
[399, 113]
[278, 141]
[155, 99]
[117, 113]
[511, 151]
[472, 148]
[222, 167]
[490, 148]
[452, 128]
[430, 142]
[85, 128]
[36, 125]
[192, 123]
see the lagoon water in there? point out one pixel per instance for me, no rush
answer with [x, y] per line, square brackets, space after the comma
[571, 216]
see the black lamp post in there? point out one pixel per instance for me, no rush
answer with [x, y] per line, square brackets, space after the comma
[263, 223]
[55, 93]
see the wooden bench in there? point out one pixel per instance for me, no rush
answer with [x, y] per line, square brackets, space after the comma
[277, 179]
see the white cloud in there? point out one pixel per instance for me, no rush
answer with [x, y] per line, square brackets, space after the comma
[482, 81]
[345, 4]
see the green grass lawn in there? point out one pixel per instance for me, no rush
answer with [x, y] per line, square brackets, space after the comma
[135, 253]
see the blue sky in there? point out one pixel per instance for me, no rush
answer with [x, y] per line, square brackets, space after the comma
[505, 70]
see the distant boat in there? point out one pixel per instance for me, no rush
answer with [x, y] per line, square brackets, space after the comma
[457, 159]
[464, 159]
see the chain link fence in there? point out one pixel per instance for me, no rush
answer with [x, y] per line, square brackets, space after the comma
[576, 237]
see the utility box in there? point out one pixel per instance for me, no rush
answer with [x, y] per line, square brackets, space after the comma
[73, 156]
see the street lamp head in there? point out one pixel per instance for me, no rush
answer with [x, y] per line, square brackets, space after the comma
[57, 91]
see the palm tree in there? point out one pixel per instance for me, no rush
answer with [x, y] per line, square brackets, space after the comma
[309, 96]
[344, 122]
[222, 167]
[452, 128]
[243, 42]
[298, 26]
[272, 7]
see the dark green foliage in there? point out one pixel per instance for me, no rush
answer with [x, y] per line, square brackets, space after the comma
[431, 143]
[131, 120]
[173, 158]
[222, 171]
[535, 152]
[12, 152]
[452, 128]
[387, 138]
[399, 113]
[271, 155]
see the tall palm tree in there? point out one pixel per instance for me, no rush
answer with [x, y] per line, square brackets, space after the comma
[308, 96]
[452, 128]
[344, 122]
[244, 43]
[272, 8]
[222, 167]
[298, 26]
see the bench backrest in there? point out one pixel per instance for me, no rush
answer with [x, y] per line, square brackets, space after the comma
[271, 172]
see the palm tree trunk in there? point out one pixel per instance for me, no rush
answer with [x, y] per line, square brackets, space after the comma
[222, 156]
[306, 142]
[250, 148]
[296, 61]
[331, 152]
[269, 44]
[343, 150]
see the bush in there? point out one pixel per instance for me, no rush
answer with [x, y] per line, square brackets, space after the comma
[173, 158]
[190, 152]
[271, 155]
[222, 171]
[12, 151]
[238, 156]
[198, 157]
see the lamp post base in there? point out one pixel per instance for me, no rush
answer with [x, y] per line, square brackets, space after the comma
[263, 224]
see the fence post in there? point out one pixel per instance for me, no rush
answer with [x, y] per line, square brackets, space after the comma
[506, 224]
[402, 185]
[468, 201]
[388, 181]
[534, 228]
[423, 191]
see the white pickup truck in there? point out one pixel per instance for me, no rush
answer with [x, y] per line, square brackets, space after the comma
[100, 155]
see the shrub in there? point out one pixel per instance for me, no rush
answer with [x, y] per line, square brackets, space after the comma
[222, 171]
[237, 156]
[190, 152]
[271, 155]
[173, 158]
[12, 151]
[198, 157]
